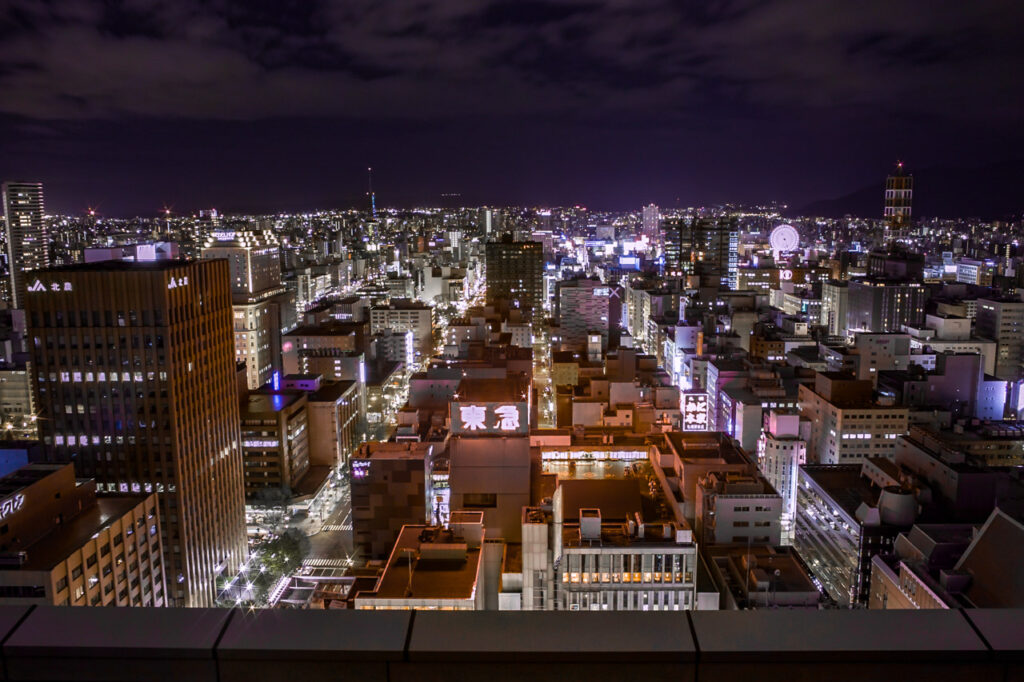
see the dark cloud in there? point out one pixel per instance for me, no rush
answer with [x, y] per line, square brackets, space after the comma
[755, 80]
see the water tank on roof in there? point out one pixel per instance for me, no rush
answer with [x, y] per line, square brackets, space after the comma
[897, 506]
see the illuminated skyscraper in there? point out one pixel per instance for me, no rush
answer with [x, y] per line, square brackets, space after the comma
[28, 246]
[707, 246]
[135, 383]
[651, 224]
[255, 262]
[899, 192]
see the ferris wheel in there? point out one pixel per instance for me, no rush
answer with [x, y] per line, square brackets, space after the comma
[784, 238]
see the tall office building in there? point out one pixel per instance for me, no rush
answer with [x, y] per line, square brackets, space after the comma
[706, 246]
[1002, 320]
[899, 193]
[884, 305]
[715, 244]
[651, 224]
[515, 271]
[28, 246]
[135, 384]
[678, 239]
[254, 259]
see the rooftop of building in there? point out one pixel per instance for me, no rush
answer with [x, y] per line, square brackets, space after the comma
[728, 483]
[55, 547]
[844, 484]
[379, 450]
[429, 563]
[381, 371]
[781, 565]
[975, 431]
[328, 328]
[705, 445]
[401, 304]
[622, 534]
[994, 561]
[263, 401]
[331, 392]
[121, 266]
[25, 476]
[511, 389]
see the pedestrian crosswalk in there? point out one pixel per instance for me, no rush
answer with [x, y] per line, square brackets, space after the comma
[323, 562]
[337, 526]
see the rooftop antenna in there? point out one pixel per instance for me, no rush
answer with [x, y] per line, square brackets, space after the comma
[369, 192]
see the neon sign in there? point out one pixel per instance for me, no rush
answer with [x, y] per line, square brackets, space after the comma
[360, 468]
[496, 418]
[695, 412]
[11, 505]
[177, 282]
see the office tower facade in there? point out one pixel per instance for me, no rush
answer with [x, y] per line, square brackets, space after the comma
[881, 305]
[651, 224]
[899, 194]
[254, 259]
[135, 384]
[715, 244]
[1002, 320]
[515, 271]
[28, 245]
[706, 246]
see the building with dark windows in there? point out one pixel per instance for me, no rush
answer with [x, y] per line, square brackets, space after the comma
[515, 273]
[27, 242]
[135, 384]
[62, 544]
[885, 305]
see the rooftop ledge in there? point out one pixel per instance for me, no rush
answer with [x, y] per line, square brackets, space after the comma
[67, 643]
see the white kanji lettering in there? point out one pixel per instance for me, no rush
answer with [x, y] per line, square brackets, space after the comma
[473, 417]
[508, 416]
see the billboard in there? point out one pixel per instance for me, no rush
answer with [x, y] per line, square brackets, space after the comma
[695, 412]
[484, 418]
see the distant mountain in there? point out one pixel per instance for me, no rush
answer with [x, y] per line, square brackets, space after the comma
[989, 192]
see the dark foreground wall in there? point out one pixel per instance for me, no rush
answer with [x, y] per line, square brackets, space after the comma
[52, 643]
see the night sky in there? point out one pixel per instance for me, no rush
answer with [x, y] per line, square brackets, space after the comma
[254, 105]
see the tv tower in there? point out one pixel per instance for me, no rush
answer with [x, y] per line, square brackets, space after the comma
[369, 192]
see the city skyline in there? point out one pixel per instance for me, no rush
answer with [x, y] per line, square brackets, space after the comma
[565, 313]
[558, 103]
